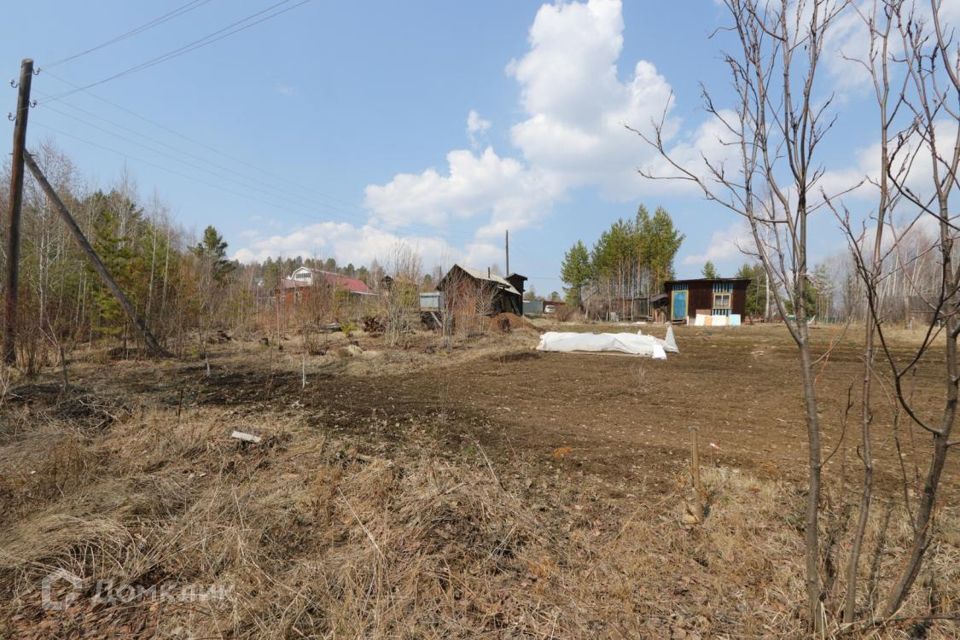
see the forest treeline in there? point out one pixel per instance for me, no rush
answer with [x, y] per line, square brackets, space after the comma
[634, 257]
[183, 287]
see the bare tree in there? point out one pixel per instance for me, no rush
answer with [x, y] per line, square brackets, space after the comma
[869, 254]
[400, 303]
[930, 71]
[931, 63]
[775, 184]
[775, 132]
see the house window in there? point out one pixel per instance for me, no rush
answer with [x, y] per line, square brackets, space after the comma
[722, 298]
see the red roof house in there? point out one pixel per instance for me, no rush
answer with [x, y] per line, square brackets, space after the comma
[306, 277]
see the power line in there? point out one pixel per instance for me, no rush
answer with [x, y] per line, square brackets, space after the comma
[244, 179]
[170, 15]
[188, 176]
[308, 190]
[311, 217]
[225, 32]
[243, 182]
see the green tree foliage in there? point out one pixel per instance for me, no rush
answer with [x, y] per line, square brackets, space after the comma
[820, 292]
[213, 249]
[575, 271]
[756, 303]
[272, 274]
[182, 288]
[709, 271]
[631, 259]
[616, 255]
[659, 243]
[116, 252]
[810, 298]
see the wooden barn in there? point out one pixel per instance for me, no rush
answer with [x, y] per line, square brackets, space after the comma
[471, 291]
[707, 301]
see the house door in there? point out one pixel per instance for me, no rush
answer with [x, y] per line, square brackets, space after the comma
[679, 305]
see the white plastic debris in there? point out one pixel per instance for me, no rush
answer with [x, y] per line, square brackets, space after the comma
[669, 343]
[245, 437]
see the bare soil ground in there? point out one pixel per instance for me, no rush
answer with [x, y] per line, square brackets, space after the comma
[472, 489]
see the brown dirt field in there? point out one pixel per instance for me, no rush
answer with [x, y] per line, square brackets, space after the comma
[471, 489]
[740, 388]
[620, 415]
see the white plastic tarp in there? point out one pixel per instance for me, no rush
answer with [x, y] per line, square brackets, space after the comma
[669, 343]
[630, 343]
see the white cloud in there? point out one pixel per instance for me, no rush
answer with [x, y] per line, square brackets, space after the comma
[847, 45]
[483, 253]
[571, 135]
[285, 89]
[725, 245]
[345, 243]
[476, 127]
[712, 140]
[577, 105]
[474, 183]
[916, 176]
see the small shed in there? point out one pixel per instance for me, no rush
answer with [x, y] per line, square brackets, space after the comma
[533, 307]
[707, 301]
[473, 291]
[519, 283]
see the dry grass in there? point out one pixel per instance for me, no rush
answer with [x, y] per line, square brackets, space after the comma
[321, 532]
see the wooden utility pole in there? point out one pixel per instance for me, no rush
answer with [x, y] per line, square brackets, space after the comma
[98, 265]
[507, 242]
[16, 202]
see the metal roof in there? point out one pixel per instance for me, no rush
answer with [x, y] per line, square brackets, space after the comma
[706, 280]
[481, 275]
[353, 285]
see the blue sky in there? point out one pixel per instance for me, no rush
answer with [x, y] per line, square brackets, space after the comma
[341, 128]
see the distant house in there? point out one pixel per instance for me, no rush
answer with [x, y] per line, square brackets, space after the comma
[472, 291]
[707, 301]
[304, 278]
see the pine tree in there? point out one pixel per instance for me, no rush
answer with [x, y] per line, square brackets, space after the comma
[756, 302]
[213, 248]
[710, 271]
[575, 272]
[660, 242]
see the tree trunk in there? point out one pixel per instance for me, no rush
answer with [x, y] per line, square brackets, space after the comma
[812, 535]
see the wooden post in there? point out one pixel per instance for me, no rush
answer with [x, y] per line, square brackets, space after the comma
[695, 471]
[16, 202]
[98, 265]
[506, 240]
